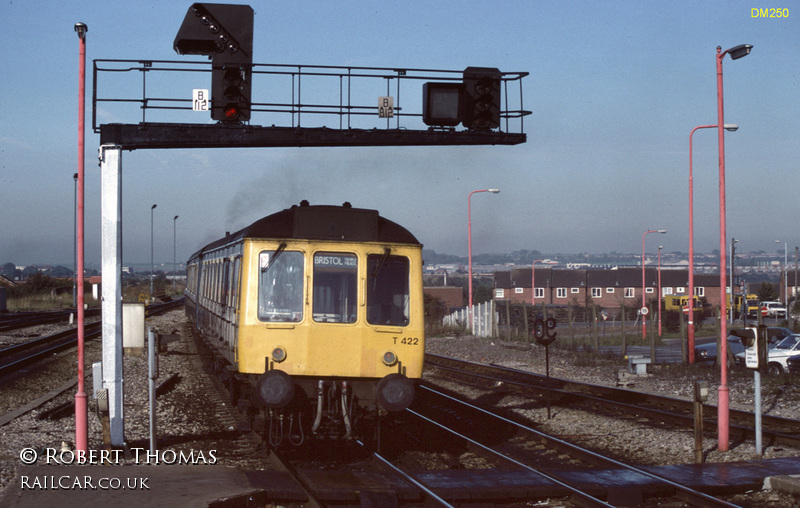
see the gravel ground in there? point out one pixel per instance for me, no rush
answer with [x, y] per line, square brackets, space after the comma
[779, 396]
[633, 441]
[193, 417]
[190, 417]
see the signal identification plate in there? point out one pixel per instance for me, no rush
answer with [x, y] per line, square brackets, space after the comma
[200, 99]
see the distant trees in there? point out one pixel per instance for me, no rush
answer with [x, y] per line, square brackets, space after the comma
[767, 292]
[435, 309]
[59, 271]
[8, 271]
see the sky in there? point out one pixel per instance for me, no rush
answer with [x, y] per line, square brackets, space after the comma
[614, 90]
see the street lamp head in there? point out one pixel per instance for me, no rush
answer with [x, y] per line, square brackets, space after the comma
[153, 207]
[175, 218]
[81, 28]
[731, 127]
[494, 191]
[739, 51]
[662, 231]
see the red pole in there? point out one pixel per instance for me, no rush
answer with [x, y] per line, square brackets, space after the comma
[81, 411]
[659, 291]
[723, 397]
[723, 391]
[644, 301]
[690, 327]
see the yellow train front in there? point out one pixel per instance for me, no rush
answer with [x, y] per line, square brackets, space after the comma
[316, 318]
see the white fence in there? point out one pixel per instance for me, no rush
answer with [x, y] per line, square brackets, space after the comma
[483, 317]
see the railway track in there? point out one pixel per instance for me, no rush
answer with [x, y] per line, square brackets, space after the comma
[659, 409]
[520, 464]
[442, 452]
[16, 321]
[16, 357]
[447, 452]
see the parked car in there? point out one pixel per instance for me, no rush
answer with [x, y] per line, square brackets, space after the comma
[778, 355]
[774, 309]
[777, 334]
[708, 352]
[793, 363]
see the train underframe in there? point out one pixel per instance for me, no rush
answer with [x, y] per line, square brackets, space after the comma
[296, 410]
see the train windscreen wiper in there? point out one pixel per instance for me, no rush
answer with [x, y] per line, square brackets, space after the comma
[386, 252]
[271, 261]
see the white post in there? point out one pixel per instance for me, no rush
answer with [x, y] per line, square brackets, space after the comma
[486, 320]
[482, 323]
[111, 240]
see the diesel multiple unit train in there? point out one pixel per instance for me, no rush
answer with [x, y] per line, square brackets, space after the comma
[315, 316]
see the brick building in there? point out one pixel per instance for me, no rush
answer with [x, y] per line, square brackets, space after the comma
[606, 288]
[452, 296]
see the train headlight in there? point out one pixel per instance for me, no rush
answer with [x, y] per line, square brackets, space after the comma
[395, 392]
[278, 354]
[389, 358]
[275, 388]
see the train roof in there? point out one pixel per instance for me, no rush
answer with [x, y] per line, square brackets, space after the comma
[323, 222]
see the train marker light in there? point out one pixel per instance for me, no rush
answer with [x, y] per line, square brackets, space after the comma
[389, 358]
[225, 34]
[278, 354]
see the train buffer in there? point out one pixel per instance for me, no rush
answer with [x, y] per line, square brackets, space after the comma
[637, 364]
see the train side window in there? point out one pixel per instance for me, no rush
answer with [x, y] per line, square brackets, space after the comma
[387, 290]
[225, 277]
[335, 287]
[280, 286]
[237, 262]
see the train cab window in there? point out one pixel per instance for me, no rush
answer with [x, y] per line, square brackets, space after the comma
[280, 286]
[335, 283]
[387, 289]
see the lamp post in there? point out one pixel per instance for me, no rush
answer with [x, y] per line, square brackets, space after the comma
[644, 297]
[81, 399]
[469, 247]
[533, 282]
[785, 277]
[732, 127]
[75, 242]
[151, 250]
[732, 310]
[659, 289]
[174, 250]
[723, 396]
